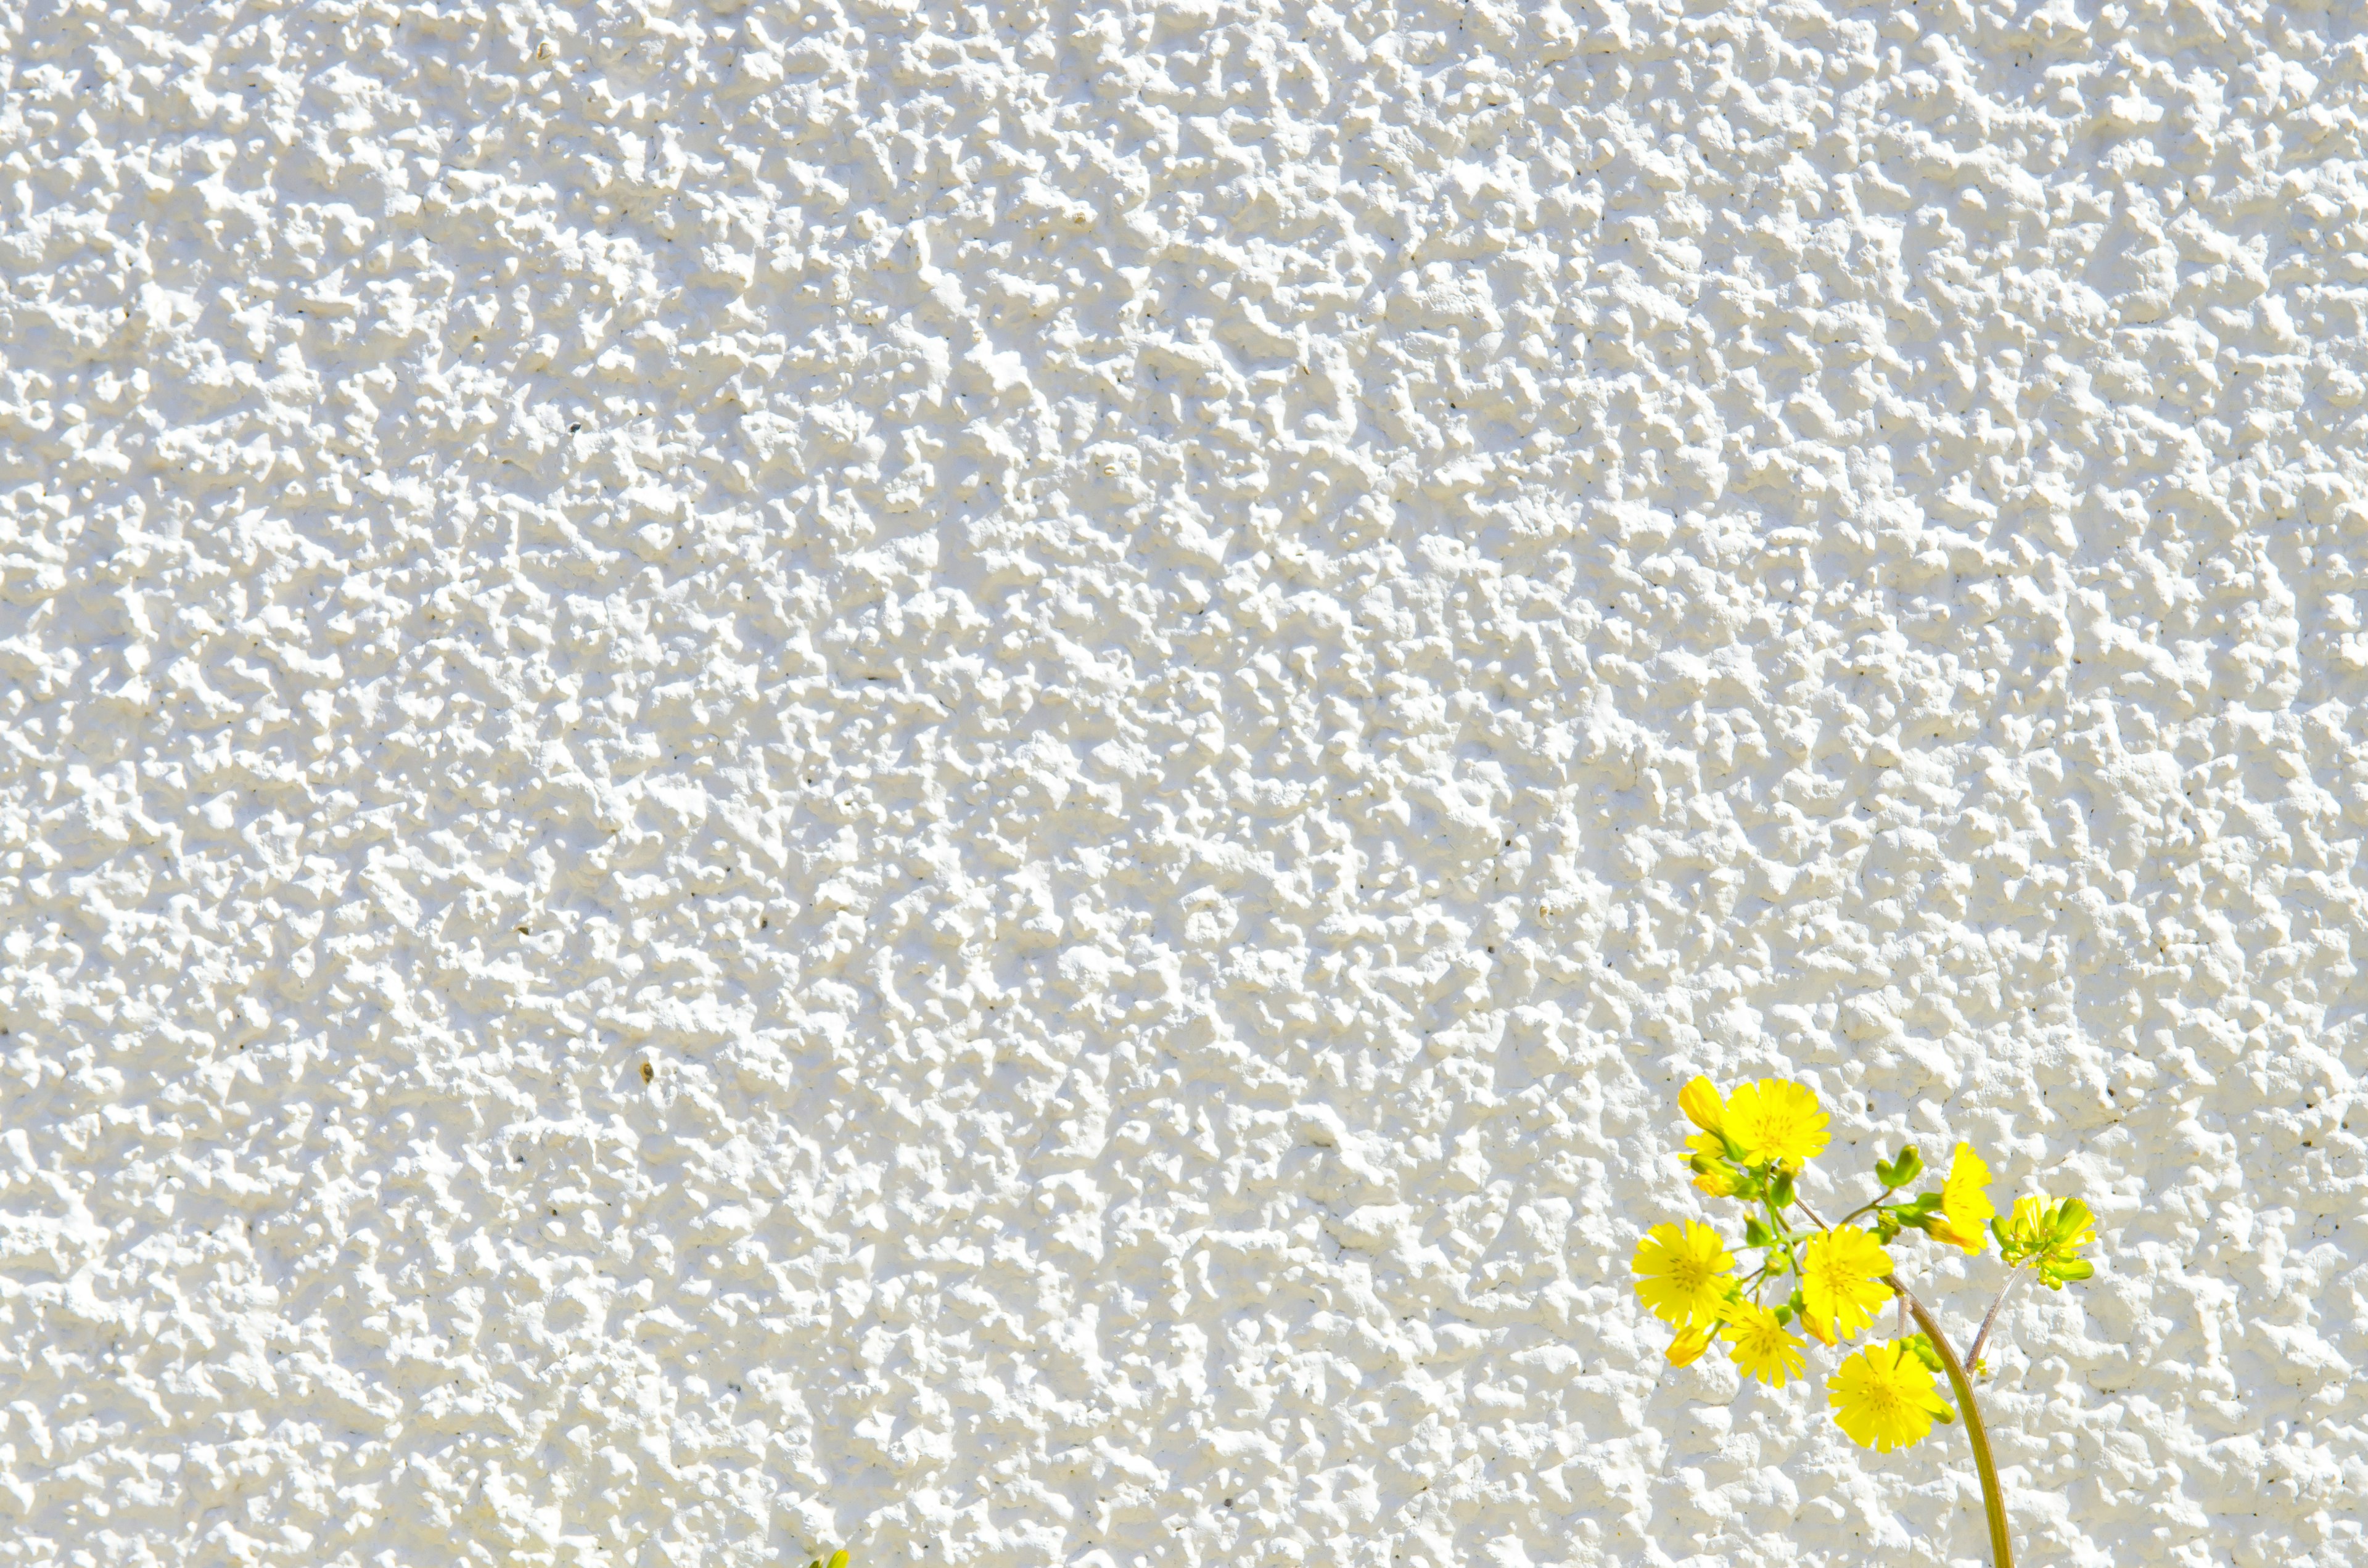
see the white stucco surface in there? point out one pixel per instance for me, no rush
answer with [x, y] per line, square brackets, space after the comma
[968, 777]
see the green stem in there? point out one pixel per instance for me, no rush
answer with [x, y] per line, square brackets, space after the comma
[1780, 1239]
[1867, 1208]
[1993, 1500]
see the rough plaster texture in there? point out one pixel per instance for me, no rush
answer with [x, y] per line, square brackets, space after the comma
[969, 778]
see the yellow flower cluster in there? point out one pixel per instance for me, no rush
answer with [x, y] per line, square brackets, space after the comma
[1768, 1123]
[1752, 1146]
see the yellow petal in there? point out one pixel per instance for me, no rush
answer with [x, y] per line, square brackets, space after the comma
[1700, 1101]
[1688, 1346]
[1964, 1207]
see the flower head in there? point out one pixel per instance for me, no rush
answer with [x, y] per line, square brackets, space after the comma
[1714, 1172]
[2049, 1236]
[1965, 1208]
[1688, 1346]
[1760, 1345]
[1720, 1180]
[1884, 1397]
[1772, 1120]
[1698, 1101]
[1681, 1273]
[1841, 1281]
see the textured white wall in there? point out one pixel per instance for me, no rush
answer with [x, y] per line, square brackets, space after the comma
[968, 777]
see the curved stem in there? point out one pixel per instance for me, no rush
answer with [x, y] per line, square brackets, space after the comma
[1982, 1336]
[1993, 1500]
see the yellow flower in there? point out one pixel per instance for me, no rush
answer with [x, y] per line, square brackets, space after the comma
[1841, 1280]
[1698, 1101]
[1688, 1346]
[1772, 1120]
[1719, 1181]
[1707, 1154]
[1884, 1397]
[2021, 1224]
[1680, 1273]
[1762, 1348]
[1965, 1208]
[2049, 1235]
